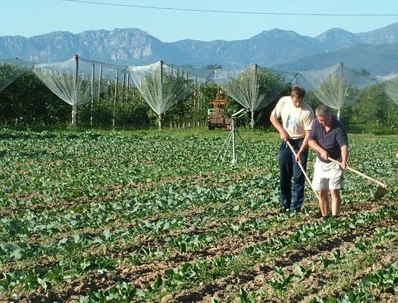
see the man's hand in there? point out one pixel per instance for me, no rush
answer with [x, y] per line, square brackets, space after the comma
[324, 155]
[344, 164]
[284, 135]
[298, 156]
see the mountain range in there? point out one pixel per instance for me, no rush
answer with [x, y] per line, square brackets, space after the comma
[374, 51]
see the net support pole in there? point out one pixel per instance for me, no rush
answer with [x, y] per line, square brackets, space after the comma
[115, 98]
[161, 94]
[92, 94]
[340, 89]
[74, 105]
[254, 94]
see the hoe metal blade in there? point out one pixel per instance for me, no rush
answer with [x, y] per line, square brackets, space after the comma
[380, 192]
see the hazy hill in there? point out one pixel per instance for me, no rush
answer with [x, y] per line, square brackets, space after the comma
[377, 59]
[374, 51]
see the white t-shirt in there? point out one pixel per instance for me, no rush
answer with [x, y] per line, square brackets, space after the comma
[295, 120]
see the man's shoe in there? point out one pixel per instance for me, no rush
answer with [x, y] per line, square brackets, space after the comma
[283, 210]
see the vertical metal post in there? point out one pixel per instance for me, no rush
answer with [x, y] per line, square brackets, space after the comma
[99, 83]
[115, 98]
[234, 156]
[75, 93]
[340, 89]
[92, 93]
[161, 94]
[254, 96]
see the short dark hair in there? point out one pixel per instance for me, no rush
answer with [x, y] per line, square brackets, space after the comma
[323, 110]
[298, 92]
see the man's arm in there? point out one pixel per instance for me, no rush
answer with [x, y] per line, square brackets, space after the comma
[278, 126]
[344, 156]
[304, 145]
[316, 147]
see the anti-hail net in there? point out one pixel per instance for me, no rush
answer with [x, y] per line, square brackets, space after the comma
[77, 81]
[163, 85]
[11, 69]
[254, 87]
[390, 86]
[336, 86]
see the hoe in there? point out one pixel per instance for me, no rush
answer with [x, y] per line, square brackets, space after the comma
[381, 190]
[302, 169]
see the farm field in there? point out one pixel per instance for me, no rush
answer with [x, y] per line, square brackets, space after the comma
[163, 216]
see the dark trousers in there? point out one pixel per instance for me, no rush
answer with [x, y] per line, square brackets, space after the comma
[292, 198]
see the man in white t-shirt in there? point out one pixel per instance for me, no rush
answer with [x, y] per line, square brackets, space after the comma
[292, 118]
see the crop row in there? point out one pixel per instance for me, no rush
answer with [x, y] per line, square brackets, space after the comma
[148, 216]
[201, 271]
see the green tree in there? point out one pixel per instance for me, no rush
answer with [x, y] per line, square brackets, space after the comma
[28, 101]
[370, 112]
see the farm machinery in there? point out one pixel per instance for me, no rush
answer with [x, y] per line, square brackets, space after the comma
[216, 115]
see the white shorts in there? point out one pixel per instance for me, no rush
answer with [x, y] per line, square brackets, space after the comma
[327, 176]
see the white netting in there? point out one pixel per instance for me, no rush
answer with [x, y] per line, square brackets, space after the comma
[77, 81]
[164, 85]
[11, 69]
[336, 86]
[254, 87]
[390, 86]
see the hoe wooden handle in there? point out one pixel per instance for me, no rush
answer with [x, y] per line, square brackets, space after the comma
[360, 174]
[301, 167]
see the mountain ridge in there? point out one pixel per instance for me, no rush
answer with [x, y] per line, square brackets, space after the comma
[374, 51]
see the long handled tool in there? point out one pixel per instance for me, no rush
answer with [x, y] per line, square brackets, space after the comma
[381, 190]
[301, 167]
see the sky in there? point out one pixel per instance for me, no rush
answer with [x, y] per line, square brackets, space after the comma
[205, 20]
